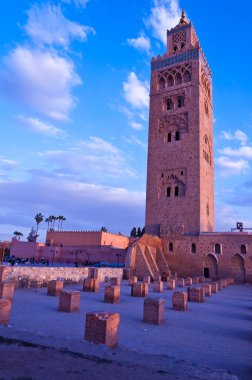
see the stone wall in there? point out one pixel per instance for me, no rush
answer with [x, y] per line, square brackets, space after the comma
[37, 277]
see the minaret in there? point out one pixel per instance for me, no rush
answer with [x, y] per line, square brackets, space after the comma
[180, 180]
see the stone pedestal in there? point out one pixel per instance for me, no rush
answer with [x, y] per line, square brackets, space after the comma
[201, 279]
[3, 273]
[102, 328]
[223, 283]
[7, 290]
[207, 289]
[147, 279]
[214, 287]
[195, 280]
[69, 301]
[179, 301]
[171, 284]
[195, 294]
[139, 289]
[5, 309]
[55, 287]
[188, 281]
[91, 285]
[112, 294]
[126, 273]
[114, 281]
[132, 280]
[153, 310]
[181, 282]
[158, 286]
[157, 277]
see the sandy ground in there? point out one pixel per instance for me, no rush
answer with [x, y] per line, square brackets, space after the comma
[210, 341]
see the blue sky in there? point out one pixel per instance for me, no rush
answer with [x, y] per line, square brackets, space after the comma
[74, 84]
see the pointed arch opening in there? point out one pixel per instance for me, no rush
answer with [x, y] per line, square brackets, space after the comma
[238, 268]
[211, 267]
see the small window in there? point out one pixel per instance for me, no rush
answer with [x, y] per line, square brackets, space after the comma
[162, 175]
[169, 137]
[171, 247]
[161, 83]
[217, 249]
[169, 105]
[175, 48]
[170, 81]
[243, 249]
[178, 79]
[180, 102]
[193, 249]
[182, 45]
[168, 191]
[176, 193]
[177, 136]
[182, 173]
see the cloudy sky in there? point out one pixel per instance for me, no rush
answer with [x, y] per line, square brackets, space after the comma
[74, 97]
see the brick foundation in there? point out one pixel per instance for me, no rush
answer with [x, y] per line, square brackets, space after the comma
[69, 301]
[91, 285]
[214, 287]
[181, 282]
[188, 281]
[158, 286]
[102, 328]
[139, 289]
[195, 294]
[179, 301]
[55, 288]
[112, 294]
[153, 310]
[207, 289]
[114, 281]
[5, 309]
[7, 290]
[171, 284]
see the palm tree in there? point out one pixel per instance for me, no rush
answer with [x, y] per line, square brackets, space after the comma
[47, 221]
[62, 220]
[53, 221]
[39, 218]
[17, 234]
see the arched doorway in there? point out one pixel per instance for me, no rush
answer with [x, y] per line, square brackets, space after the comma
[211, 267]
[237, 268]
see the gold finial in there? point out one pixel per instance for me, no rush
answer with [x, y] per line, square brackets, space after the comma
[183, 19]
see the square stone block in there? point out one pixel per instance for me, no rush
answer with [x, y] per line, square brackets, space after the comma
[112, 294]
[201, 279]
[195, 280]
[179, 301]
[171, 284]
[132, 280]
[102, 328]
[153, 310]
[223, 283]
[91, 285]
[207, 289]
[114, 281]
[196, 294]
[181, 282]
[7, 290]
[231, 281]
[214, 287]
[5, 309]
[139, 289]
[219, 285]
[158, 286]
[147, 279]
[188, 281]
[55, 287]
[69, 301]
[157, 277]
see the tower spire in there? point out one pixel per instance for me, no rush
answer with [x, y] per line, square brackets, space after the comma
[183, 19]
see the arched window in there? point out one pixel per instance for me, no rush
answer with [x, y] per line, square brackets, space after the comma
[171, 247]
[182, 45]
[176, 191]
[175, 48]
[217, 249]
[187, 77]
[169, 137]
[170, 81]
[243, 249]
[161, 83]
[193, 249]
[180, 102]
[168, 191]
[177, 136]
[178, 79]
[169, 105]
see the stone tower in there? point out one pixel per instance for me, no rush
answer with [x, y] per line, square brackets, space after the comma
[180, 181]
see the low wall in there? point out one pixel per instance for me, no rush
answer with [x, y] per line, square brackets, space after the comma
[38, 277]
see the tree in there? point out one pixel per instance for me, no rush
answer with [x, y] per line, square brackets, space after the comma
[139, 232]
[47, 221]
[32, 237]
[143, 231]
[62, 220]
[17, 234]
[39, 218]
[104, 229]
[133, 232]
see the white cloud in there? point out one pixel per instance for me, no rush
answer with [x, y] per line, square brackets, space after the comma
[136, 92]
[133, 140]
[41, 81]
[96, 143]
[7, 164]
[136, 125]
[164, 15]
[77, 3]
[242, 152]
[47, 25]
[237, 135]
[40, 126]
[141, 43]
[229, 166]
